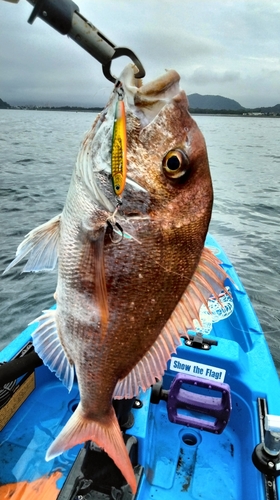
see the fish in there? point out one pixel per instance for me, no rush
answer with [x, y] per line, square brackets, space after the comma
[133, 271]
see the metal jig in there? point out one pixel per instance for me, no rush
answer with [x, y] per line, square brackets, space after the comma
[118, 158]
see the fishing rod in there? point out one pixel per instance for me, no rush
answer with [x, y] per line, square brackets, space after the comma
[64, 16]
[18, 367]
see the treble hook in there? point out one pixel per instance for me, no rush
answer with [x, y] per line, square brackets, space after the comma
[112, 230]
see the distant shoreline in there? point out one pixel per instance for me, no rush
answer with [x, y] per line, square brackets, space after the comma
[245, 114]
[73, 109]
[194, 111]
[198, 105]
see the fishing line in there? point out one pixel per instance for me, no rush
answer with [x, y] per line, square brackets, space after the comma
[247, 331]
[101, 89]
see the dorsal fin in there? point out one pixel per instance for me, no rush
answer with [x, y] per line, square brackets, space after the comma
[207, 280]
[48, 347]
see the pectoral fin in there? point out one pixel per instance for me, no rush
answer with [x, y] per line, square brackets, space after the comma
[92, 257]
[101, 289]
[42, 245]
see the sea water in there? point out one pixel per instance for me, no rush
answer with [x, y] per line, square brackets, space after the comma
[38, 150]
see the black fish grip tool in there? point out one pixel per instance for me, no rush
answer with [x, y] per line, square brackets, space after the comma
[64, 17]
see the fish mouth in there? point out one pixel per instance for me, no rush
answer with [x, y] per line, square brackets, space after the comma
[164, 87]
[146, 100]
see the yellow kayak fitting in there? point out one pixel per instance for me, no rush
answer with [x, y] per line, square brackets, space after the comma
[118, 161]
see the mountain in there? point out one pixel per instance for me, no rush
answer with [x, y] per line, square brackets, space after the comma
[215, 102]
[205, 104]
[4, 105]
[271, 109]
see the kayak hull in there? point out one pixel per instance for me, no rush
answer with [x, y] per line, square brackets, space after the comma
[177, 460]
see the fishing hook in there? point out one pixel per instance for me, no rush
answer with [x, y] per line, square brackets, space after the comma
[112, 230]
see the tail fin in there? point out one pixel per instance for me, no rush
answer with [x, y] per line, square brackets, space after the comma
[105, 433]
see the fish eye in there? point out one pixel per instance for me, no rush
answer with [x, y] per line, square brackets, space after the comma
[175, 164]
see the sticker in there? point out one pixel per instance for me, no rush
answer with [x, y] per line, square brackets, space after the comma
[217, 311]
[197, 369]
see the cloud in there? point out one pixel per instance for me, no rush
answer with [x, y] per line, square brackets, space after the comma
[221, 47]
[204, 76]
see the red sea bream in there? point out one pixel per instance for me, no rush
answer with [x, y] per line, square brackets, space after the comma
[131, 276]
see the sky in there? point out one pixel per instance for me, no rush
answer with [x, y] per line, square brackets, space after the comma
[219, 47]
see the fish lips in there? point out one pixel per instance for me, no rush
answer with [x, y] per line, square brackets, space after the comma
[147, 100]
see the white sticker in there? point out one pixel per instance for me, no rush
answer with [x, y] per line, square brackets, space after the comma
[197, 369]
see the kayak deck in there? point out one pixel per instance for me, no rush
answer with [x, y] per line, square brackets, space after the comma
[178, 460]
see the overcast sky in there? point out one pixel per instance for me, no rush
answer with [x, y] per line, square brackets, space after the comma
[230, 48]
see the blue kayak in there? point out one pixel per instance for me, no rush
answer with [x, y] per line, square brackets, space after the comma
[209, 429]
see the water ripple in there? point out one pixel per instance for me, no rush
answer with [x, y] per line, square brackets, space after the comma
[35, 175]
